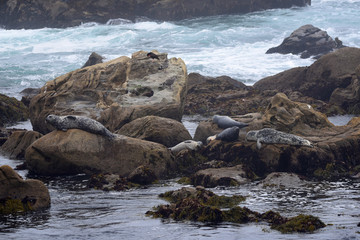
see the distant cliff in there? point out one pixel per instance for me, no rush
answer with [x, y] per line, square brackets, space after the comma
[65, 13]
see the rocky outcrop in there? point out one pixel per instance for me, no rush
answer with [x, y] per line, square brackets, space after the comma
[18, 142]
[94, 58]
[107, 92]
[60, 13]
[12, 110]
[166, 131]
[76, 151]
[334, 147]
[18, 195]
[307, 41]
[333, 78]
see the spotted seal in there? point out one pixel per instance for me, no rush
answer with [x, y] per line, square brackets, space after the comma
[188, 144]
[269, 135]
[227, 122]
[78, 122]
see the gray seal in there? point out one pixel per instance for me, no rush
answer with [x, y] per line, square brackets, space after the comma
[79, 122]
[229, 135]
[269, 135]
[227, 122]
[188, 144]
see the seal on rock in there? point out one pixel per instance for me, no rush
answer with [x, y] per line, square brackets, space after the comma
[228, 135]
[79, 122]
[188, 144]
[269, 135]
[227, 122]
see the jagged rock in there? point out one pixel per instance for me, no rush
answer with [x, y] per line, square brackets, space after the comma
[94, 58]
[212, 177]
[166, 131]
[12, 110]
[18, 142]
[28, 94]
[76, 151]
[19, 195]
[307, 41]
[334, 71]
[103, 92]
[60, 13]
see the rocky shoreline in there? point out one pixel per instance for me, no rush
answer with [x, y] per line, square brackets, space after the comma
[62, 13]
[141, 101]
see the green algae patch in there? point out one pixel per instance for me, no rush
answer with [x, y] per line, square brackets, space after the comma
[204, 206]
[11, 206]
[184, 181]
[301, 223]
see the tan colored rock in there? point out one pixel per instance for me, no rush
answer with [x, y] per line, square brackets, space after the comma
[166, 131]
[19, 195]
[212, 177]
[105, 92]
[18, 142]
[76, 151]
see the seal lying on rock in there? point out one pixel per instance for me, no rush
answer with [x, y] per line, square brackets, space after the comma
[79, 122]
[229, 135]
[269, 135]
[188, 144]
[227, 122]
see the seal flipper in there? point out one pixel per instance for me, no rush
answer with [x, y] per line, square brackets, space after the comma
[258, 144]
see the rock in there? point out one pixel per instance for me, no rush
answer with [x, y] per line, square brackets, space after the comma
[332, 71]
[60, 13]
[103, 92]
[19, 195]
[12, 110]
[18, 142]
[283, 180]
[94, 58]
[142, 175]
[110, 182]
[76, 151]
[307, 41]
[212, 177]
[28, 94]
[166, 131]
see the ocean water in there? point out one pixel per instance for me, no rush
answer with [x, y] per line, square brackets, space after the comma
[220, 45]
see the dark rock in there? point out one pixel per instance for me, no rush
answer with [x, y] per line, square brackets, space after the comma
[307, 41]
[94, 58]
[28, 94]
[12, 110]
[18, 142]
[166, 131]
[58, 13]
[18, 195]
[142, 175]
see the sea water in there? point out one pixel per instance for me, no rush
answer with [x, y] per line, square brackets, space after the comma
[221, 45]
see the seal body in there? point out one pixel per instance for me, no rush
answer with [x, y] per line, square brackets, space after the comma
[227, 122]
[78, 122]
[269, 135]
[229, 135]
[188, 144]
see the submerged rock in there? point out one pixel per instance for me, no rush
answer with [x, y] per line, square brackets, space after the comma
[307, 41]
[18, 195]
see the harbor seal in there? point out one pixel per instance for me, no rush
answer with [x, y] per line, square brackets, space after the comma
[78, 122]
[228, 135]
[188, 144]
[269, 135]
[227, 122]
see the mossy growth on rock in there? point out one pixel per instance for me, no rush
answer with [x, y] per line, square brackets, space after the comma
[205, 206]
[330, 172]
[110, 182]
[184, 181]
[301, 223]
[12, 206]
[12, 110]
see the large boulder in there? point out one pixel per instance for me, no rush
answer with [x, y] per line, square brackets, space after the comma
[76, 151]
[18, 142]
[12, 110]
[60, 13]
[19, 195]
[166, 131]
[115, 92]
[307, 41]
[334, 71]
